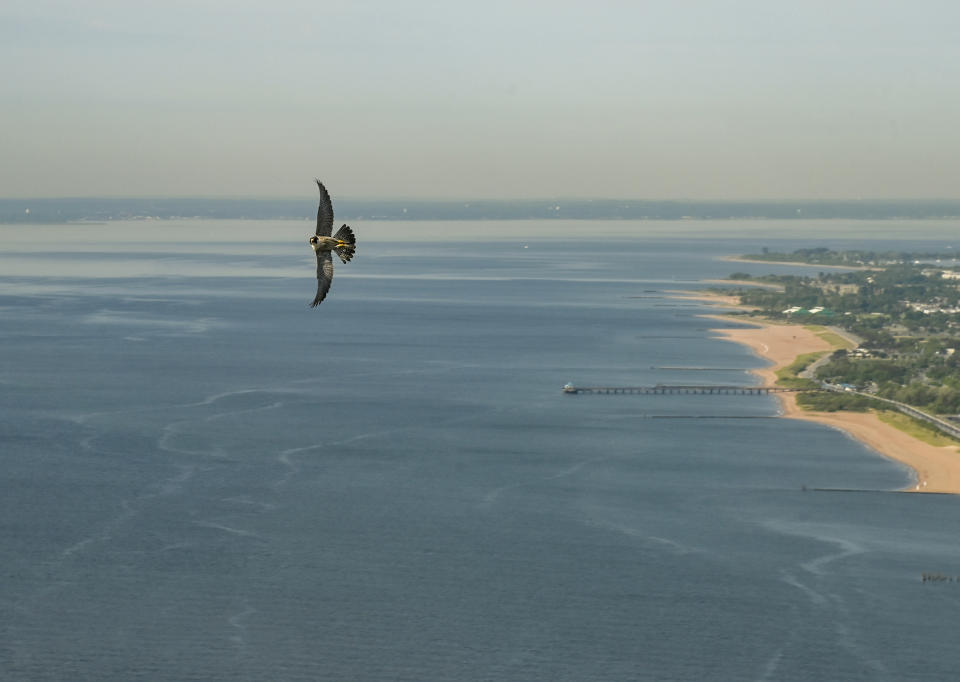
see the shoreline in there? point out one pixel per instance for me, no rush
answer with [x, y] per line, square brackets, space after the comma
[740, 259]
[936, 469]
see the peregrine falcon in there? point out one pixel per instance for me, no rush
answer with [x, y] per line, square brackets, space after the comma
[343, 243]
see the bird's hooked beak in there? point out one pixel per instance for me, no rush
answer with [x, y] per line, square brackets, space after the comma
[314, 241]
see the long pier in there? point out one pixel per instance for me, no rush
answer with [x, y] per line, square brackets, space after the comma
[664, 389]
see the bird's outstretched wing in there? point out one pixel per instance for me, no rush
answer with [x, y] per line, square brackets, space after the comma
[324, 275]
[324, 212]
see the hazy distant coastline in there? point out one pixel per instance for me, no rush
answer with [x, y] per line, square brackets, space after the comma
[69, 209]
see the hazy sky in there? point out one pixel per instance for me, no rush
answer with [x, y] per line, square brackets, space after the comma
[671, 99]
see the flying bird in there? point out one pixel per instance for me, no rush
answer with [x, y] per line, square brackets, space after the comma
[343, 243]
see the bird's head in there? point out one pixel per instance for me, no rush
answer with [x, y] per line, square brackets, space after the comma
[314, 241]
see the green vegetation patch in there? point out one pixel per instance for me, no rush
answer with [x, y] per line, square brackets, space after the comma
[837, 341]
[834, 339]
[788, 376]
[829, 401]
[917, 428]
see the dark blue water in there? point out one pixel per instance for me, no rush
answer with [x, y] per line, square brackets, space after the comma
[202, 478]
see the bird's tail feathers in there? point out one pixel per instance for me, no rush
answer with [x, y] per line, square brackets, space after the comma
[346, 234]
[346, 252]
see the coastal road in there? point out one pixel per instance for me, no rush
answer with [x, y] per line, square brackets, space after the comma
[810, 371]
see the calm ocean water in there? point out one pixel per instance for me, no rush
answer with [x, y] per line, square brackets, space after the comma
[204, 479]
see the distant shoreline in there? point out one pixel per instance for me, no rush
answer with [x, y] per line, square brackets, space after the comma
[34, 210]
[936, 469]
[741, 259]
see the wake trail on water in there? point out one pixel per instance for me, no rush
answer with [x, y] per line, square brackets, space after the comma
[288, 458]
[492, 496]
[813, 579]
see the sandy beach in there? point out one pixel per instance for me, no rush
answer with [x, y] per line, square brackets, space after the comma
[937, 469]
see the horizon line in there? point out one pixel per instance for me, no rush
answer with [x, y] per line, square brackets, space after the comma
[468, 200]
